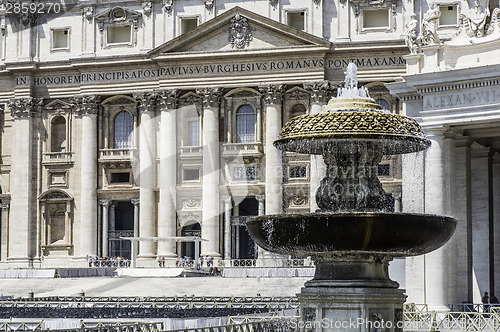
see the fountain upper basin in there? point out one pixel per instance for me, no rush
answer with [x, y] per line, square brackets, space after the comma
[321, 234]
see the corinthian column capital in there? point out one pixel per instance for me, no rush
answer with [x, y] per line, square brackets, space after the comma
[25, 107]
[210, 96]
[146, 101]
[86, 104]
[168, 98]
[319, 91]
[272, 93]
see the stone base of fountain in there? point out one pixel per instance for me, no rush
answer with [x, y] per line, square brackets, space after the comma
[352, 293]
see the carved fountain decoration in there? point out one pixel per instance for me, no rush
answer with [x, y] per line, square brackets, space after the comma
[355, 232]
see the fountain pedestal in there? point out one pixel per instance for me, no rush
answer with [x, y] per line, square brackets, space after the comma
[351, 293]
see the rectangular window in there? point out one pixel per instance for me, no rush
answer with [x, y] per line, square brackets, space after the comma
[188, 24]
[449, 15]
[193, 133]
[191, 175]
[120, 177]
[378, 18]
[296, 20]
[60, 39]
[119, 34]
[384, 170]
[297, 172]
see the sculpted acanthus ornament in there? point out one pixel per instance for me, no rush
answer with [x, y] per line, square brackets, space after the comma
[168, 98]
[319, 91]
[168, 6]
[273, 2]
[240, 32]
[25, 107]
[272, 93]
[87, 104]
[88, 12]
[147, 8]
[146, 101]
[210, 96]
[209, 4]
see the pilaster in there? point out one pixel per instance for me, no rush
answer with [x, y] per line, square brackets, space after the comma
[105, 203]
[4, 229]
[210, 191]
[227, 226]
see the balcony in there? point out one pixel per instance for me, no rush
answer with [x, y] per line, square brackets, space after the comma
[253, 149]
[117, 155]
[57, 158]
[187, 152]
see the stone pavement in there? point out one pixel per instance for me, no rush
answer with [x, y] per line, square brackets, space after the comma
[133, 286]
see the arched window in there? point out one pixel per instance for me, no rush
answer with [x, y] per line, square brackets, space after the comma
[384, 104]
[123, 130]
[245, 124]
[298, 109]
[58, 134]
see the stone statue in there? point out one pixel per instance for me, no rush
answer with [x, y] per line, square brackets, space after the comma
[477, 18]
[428, 34]
[411, 34]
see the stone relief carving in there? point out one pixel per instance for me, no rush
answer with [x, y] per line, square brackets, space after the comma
[476, 24]
[411, 34]
[147, 8]
[191, 203]
[240, 32]
[209, 4]
[25, 107]
[428, 32]
[168, 6]
[88, 12]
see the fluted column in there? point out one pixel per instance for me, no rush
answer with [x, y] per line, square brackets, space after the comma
[210, 192]
[439, 196]
[227, 226]
[168, 172]
[22, 230]
[147, 166]
[4, 229]
[87, 107]
[319, 97]
[105, 224]
[272, 97]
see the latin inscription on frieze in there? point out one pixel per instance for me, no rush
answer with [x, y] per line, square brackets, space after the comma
[204, 70]
[464, 98]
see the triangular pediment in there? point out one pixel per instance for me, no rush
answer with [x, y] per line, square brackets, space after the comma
[239, 30]
[57, 104]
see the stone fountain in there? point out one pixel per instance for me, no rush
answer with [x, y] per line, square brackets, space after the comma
[355, 232]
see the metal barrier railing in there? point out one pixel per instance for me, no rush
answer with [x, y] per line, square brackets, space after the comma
[268, 262]
[87, 327]
[258, 324]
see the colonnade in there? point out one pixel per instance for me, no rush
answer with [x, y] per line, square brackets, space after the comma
[456, 177]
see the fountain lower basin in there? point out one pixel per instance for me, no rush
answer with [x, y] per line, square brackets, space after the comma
[328, 234]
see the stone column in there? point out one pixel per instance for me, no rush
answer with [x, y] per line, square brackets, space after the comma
[439, 196]
[87, 107]
[319, 97]
[227, 226]
[210, 195]
[167, 214]
[272, 97]
[105, 224]
[463, 213]
[4, 229]
[481, 215]
[496, 222]
[135, 244]
[147, 173]
[261, 210]
[22, 232]
[112, 217]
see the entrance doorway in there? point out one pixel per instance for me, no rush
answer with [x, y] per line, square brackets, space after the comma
[123, 226]
[188, 248]
[246, 248]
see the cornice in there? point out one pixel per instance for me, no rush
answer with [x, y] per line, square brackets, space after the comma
[458, 86]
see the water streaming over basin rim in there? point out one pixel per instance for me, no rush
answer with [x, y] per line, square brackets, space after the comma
[321, 234]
